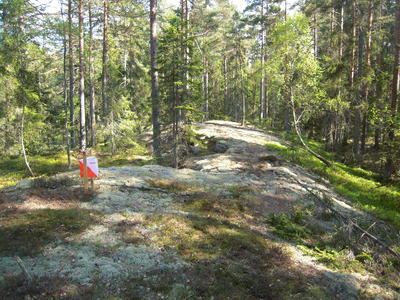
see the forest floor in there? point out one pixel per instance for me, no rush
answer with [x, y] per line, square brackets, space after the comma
[239, 222]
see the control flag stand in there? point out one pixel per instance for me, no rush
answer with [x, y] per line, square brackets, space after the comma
[89, 168]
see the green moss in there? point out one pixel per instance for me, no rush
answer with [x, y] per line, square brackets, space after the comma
[195, 139]
[204, 238]
[13, 170]
[54, 182]
[227, 260]
[27, 233]
[337, 260]
[16, 287]
[173, 186]
[358, 185]
[289, 226]
[240, 191]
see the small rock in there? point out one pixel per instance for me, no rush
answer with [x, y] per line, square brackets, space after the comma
[219, 147]
[195, 150]
[268, 158]
[24, 184]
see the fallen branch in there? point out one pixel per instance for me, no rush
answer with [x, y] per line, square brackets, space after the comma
[297, 129]
[21, 264]
[350, 222]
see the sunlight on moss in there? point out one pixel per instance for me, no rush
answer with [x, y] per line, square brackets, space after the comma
[276, 146]
[357, 184]
[336, 260]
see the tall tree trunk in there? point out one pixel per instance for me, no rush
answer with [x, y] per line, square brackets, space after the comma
[262, 84]
[358, 100]
[154, 79]
[92, 107]
[332, 24]
[379, 95]
[65, 93]
[315, 34]
[82, 128]
[225, 85]
[353, 44]
[206, 88]
[175, 121]
[243, 95]
[389, 166]
[367, 66]
[341, 31]
[104, 75]
[71, 76]
[184, 53]
[186, 57]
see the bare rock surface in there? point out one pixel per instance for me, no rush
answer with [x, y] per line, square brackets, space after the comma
[124, 196]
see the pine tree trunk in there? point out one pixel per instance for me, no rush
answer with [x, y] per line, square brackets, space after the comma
[154, 79]
[353, 45]
[65, 93]
[206, 89]
[71, 77]
[341, 31]
[389, 166]
[92, 116]
[315, 32]
[82, 127]
[225, 85]
[367, 65]
[358, 100]
[262, 84]
[243, 96]
[104, 75]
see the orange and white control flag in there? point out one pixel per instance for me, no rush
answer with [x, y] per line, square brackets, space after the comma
[92, 167]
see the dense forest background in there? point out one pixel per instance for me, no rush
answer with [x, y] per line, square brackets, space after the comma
[99, 73]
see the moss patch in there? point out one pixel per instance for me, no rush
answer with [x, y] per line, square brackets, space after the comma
[173, 186]
[228, 261]
[26, 233]
[44, 288]
[358, 185]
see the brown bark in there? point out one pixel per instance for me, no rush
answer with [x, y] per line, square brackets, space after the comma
[206, 88]
[92, 116]
[225, 85]
[65, 93]
[357, 120]
[82, 127]
[389, 167]
[154, 79]
[262, 60]
[367, 66]
[104, 75]
[71, 63]
[353, 44]
[341, 31]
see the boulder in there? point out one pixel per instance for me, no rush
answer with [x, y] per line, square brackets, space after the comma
[219, 147]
